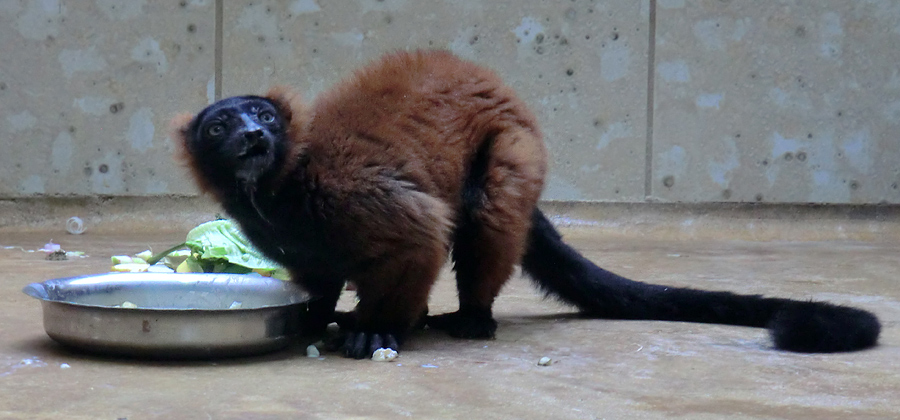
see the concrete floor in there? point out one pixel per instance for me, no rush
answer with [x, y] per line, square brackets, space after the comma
[600, 369]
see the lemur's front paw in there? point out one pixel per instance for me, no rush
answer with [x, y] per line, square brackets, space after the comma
[362, 344]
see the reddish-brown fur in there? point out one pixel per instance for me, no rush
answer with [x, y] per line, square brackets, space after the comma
[425, 115]
[414, 156]
[393, 146]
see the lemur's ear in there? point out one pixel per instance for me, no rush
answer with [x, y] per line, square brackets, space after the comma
[288, 101]
[180, 131]
[181, 124]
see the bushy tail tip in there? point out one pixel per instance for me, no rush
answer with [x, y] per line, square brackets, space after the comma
[817, 327]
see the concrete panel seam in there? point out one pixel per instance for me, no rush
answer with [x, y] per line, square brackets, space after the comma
[651, 73]
[220, 7]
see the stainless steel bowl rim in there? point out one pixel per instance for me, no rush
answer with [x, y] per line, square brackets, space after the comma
[64, 290]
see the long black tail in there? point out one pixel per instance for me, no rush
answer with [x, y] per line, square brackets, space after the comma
[808, 327]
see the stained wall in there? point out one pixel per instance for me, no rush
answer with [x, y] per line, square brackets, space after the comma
[664, 100]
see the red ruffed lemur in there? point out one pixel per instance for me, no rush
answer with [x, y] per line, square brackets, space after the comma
[418, 156]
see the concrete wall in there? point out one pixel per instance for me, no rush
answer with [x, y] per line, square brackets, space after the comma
[777, 101]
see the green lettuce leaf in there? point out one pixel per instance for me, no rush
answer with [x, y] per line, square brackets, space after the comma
[221, 241]
[213, 247]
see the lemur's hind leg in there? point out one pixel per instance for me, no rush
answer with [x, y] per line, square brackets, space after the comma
[405, 248]
[500, 193]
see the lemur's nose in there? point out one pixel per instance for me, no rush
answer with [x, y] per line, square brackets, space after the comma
[252, 131]
[253, 135]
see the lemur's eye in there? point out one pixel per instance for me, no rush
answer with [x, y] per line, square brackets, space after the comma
[266, 117]
[215, 130]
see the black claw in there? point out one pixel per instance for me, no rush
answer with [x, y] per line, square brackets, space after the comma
[375, 343]
[390, 342]
[349, 339]
[358, 348]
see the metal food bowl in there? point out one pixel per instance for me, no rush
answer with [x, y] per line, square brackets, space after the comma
[169, 315]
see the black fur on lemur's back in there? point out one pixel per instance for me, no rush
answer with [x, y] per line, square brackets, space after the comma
[800, 326]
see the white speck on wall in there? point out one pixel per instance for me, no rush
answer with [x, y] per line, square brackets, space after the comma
[300, 7]
[714, 34]
[121, 10]
[741, 27]
[467, 7]
[781, 145]
[892, 111]
[528, 29]
[590, 168]
[671, 4]
[10, 7]
[894, 83]
[349, 39]
[831, 33]
[211, 90]
[720, 171]
[257, 21]
[821, 178]
[265, 76]
[462, 45]
[825, 171]
[111, 181]
[778, 96]
[792, 100]
[672, 161]
[617, 130]
[22, 121]
[94, 105]
[830, 50]
[32, 185]
[831, 25]
[561, 189]
[563, 100]
[41, 19]
[772, 172]
[644, 11]
[674, 71]
[857, 150]
[61, 152]
[147, 51]
[141, 129]
[709, 100]
[156, 186]
[615, 61]
[74, 61]
[710, 33]
[827, 187]
[382, 6]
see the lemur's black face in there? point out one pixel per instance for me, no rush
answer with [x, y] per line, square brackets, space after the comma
[241, 138]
